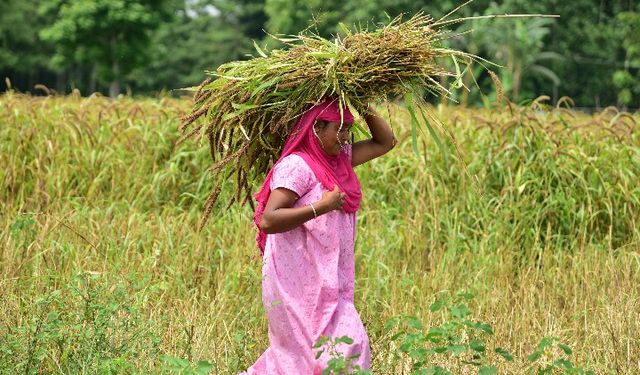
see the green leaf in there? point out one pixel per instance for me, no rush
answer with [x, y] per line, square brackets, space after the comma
[243, 106]
[456, 349]
[484, 327]
[436, 331]
[203, 368]
[414, 322]
[461, 311]
[265, 85]
[231, 115]
[259, 49]
[477, 345]
[406, 346]
[437, 305]
[344, 28]
[432, 132]
[534, 356]
[319, 353]
[344, 339]
[440, 349]
[322, 55]
[566, 349]
[408, 101]
[419, 354]
[545, 342]
[321, 341]
[487, 370]
[391, 323]
[458, 82]
[466, 295]
[505, 354]
[174, 363]
[563, 363]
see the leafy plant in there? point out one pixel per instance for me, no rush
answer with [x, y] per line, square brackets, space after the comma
[465, 342]
[552, 356]
[90, 323]
[459, 339]
[183, 367]
[338, 364]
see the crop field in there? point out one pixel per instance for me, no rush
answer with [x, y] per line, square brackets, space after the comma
[518, 253]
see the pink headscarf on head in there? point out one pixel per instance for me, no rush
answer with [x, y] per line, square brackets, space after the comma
[330, 170]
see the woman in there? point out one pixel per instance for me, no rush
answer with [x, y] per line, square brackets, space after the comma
[306, 220]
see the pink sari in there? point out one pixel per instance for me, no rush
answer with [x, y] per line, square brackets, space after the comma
[308, 273]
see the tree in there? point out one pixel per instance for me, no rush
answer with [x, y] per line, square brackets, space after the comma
[247, 16]
[111, 35]
[293, 16]
[518, 44]
[199, 38]
[23, 57]
[626, 79]
[587, 35]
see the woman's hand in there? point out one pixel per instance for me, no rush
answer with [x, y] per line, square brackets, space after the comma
[280, 215]
[331, 200]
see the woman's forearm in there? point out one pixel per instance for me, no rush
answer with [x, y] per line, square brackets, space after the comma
[381, 132]
[285, 219]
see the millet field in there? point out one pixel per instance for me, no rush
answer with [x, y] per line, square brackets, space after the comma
[513, 247]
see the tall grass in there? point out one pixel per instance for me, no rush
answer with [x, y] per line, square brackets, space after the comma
[101, 268]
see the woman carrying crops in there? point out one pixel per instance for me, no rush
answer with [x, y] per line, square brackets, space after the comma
[306, 219]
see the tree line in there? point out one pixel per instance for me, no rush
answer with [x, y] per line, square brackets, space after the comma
[591, 53]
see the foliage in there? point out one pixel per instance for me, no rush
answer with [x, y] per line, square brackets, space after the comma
[626, 80]
[548, 242]
[458, 337]
[90, 324]
[18, 34]
[245, 17]
[173, 41]
[112, 35]
[518, 45]
[337, 363]
[290, 17]
[183, 367]
[182, 49]
[587, 35]
[552, 356]
[467, 344]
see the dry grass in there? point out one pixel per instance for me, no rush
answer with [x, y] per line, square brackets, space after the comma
[550, 245]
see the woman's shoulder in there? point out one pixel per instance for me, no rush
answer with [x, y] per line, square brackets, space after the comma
[292, 159]
[293, 173]
[293, 163]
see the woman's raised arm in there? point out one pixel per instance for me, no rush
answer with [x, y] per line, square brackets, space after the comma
[381, 141]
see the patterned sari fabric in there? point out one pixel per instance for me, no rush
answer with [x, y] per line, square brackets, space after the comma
[308, 283]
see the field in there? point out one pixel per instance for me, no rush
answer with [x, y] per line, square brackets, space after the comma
[102, 269]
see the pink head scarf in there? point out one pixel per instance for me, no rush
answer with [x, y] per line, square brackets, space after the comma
[330, 170]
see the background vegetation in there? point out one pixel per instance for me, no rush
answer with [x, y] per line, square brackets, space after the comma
[102, 270]
[529, 263]
[591, 53]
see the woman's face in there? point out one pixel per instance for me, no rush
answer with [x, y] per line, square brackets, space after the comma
[332, 136]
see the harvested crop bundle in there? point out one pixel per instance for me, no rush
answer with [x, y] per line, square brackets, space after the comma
[248, 110]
